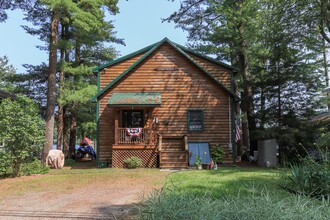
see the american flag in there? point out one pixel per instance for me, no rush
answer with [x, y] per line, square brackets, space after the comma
[238, 133]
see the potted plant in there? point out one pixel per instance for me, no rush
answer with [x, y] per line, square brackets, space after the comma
[198, 163]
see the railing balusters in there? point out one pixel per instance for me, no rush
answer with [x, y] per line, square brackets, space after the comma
[147, 136]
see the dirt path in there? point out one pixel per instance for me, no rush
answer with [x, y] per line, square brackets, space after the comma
[109, 195]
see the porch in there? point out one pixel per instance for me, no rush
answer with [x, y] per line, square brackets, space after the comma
[168, 152]
[136, 133]
[138, 142]
[135, 136]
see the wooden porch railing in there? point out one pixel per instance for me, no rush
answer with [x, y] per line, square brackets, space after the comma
[146, 137]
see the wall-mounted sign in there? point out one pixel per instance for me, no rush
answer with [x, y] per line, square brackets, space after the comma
[167, 69]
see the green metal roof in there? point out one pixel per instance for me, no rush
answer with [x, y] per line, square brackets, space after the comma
[112, 62]
[136, 98]
[151, 49]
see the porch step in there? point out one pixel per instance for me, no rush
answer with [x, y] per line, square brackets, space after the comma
[173, 159]
[172, 148]
[174, 156]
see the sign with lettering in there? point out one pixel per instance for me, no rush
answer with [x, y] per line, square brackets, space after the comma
[167, 69]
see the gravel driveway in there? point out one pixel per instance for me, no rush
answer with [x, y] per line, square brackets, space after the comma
[112, 194]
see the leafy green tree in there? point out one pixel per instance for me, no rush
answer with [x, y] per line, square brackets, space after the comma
[83, 24]
[276, 46]
[9, 5]
[228, 30]
[287, 75]
[7, 71]
[21, 131]
[33, 84]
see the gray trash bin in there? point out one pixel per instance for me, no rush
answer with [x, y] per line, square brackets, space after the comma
[267, 153]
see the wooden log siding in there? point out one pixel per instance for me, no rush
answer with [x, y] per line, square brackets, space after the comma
[220, 73]
[110, 74]
[187, 88]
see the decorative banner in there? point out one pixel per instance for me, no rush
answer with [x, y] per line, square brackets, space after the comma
[134, 132]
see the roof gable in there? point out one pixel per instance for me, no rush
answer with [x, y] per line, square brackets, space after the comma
[148, 50]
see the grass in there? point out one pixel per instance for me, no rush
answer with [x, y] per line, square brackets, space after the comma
[227, 193]
[221, 182]
[230, 193]
[66, 179]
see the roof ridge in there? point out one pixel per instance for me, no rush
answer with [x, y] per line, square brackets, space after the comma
[203, 69]
[129, 68]
[149, 50]
[205, 57]
[96, 69]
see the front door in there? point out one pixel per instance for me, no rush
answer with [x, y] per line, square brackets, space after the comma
[132, 119]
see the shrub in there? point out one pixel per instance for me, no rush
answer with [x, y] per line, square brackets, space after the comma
[217, 153]
[22, 131]
[35, 167]
[264, 204]
[4, 162]
[133, 162]
[309, 177]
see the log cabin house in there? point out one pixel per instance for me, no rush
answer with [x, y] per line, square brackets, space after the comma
[165, 104]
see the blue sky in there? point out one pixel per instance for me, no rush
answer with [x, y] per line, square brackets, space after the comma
[138, 23]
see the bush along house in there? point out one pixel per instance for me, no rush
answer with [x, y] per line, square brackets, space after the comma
[166, 105]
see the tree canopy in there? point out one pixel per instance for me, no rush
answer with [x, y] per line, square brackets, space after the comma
[278, 47]
[21, 131]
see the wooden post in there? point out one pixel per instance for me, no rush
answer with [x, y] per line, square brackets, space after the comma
[186, 142]
[186, 148]
[151, 141]
[116, 126]
[160, 143]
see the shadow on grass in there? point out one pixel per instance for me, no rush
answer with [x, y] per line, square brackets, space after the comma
[84, 164]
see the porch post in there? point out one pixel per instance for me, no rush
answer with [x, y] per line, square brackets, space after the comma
[151, 141]
[186, 148]
[160, 143]
[116, 126]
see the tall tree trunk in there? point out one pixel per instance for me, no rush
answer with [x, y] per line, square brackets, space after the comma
[66, 122]
[73, 130]
[324, 20]
[325, 63]
[73, 135]
[238, 122]
[51, 92]
[247, 103]
[279, 115]
[247, 85]
[326, 71]
[60, 93]
[60, 116]
[262, 108]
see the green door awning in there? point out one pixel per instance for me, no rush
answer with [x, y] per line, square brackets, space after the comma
[135, 99]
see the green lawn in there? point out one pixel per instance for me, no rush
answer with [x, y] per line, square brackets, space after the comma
[217, 183]
[230, 193]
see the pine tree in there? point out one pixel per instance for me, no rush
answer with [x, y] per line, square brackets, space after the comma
[276, 46]
[86, 27]
[226, 29]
